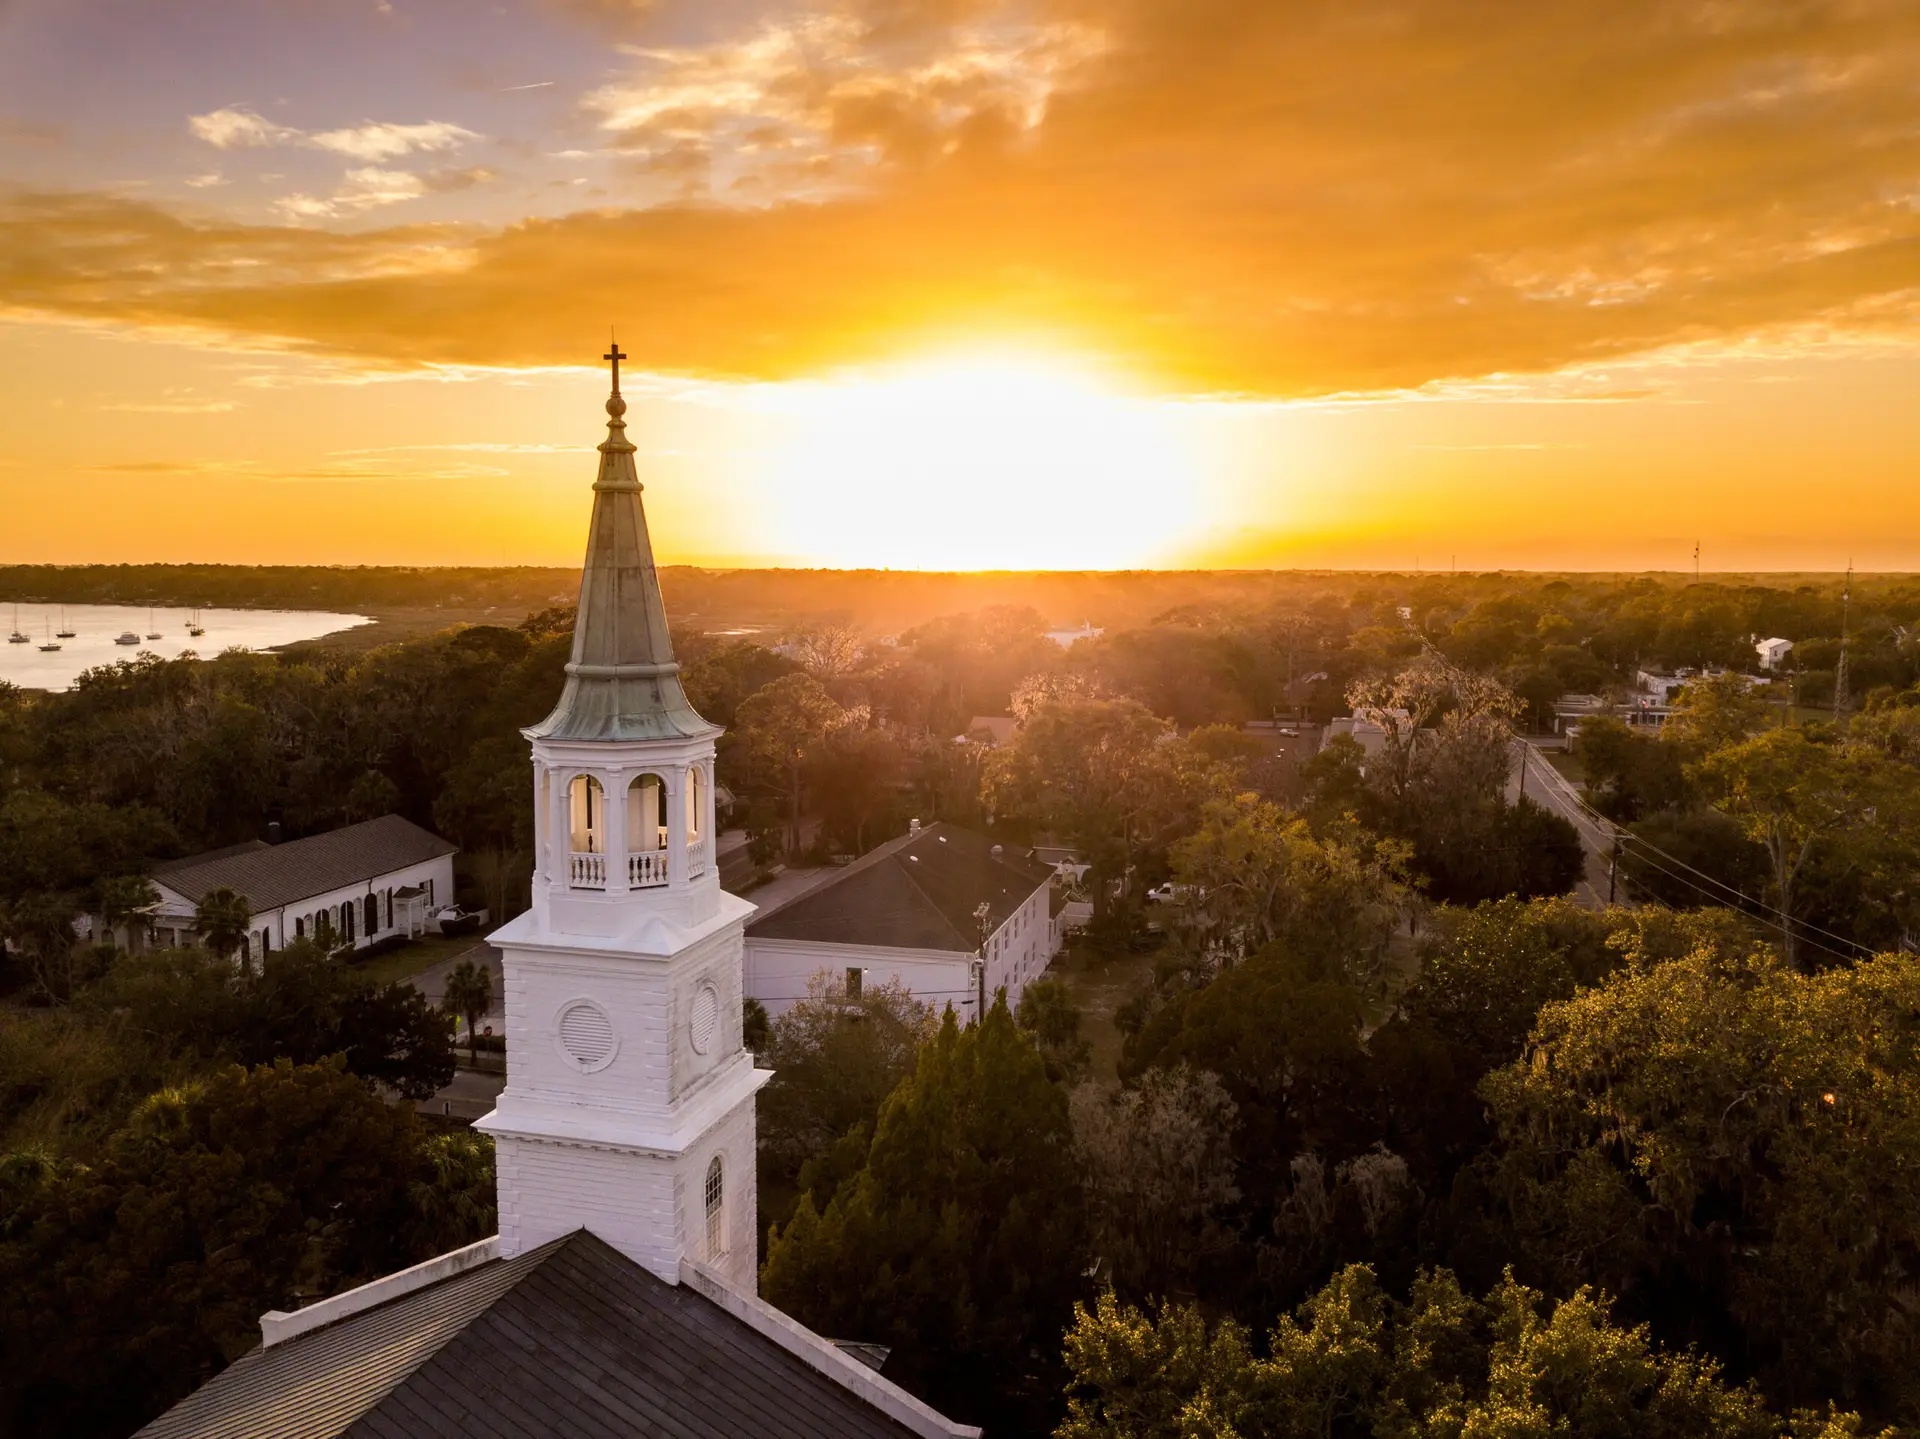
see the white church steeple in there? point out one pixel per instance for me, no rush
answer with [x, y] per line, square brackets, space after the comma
[629, 1100]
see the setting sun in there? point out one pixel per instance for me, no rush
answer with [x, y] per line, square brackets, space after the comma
[1003, 461]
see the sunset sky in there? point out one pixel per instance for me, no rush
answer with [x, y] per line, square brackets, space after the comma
[958, 283]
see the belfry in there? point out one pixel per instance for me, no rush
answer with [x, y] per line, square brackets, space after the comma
[629, 1099]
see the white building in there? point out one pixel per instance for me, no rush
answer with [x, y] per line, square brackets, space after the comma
[356, 885]
[619, 1296]
[1773, 653]
[944, 911]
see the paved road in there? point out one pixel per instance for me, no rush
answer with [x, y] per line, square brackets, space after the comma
[1545, 785]
[469, 1097]
[432, 981]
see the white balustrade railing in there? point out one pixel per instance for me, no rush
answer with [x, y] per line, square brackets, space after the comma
[696, 857]
[587, 871]
[647, 869]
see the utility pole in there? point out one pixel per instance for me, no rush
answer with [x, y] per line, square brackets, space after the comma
[1613, 868]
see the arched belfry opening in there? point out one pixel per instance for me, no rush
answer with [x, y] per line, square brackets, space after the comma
[647, 832]
[587, 833]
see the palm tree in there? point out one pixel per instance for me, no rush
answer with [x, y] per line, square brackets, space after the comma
[222, 919]
[125, 901]
[469, 995]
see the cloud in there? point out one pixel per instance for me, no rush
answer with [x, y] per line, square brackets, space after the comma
[373, 142]
[239, 129]
[206, 181]
[804, 106]
[1282, 200]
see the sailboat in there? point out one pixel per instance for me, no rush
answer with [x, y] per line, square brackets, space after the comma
[52, 643]
[65, 631]
[152, 633]
[194, 627]
[16, 638]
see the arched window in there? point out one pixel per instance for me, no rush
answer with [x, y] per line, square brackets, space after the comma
[587, 807]
[300, 927]
[716, 1209]
[346, 921]
[370, 911]
[696, 802]
[646, 814]
[323, 928]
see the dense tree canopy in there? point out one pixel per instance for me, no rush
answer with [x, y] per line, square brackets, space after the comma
[959, 1241]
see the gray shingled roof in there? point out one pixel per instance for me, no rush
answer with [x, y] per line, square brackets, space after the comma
[572, 1339]
[916, 892]
[272, 875]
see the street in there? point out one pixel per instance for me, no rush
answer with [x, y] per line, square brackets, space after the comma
[1545, 786]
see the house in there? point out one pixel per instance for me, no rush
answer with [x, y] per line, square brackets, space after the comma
[1773, 653]
[619, 1295]
[944, 911]
[1369, 734]
[1067, 639]
[355, 885]
[993, 730]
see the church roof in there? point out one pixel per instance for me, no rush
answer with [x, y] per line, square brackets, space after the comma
[272, 875]
[622, 680]
[921, 891]
[570, 1339]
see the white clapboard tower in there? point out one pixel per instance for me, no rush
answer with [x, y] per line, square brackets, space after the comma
[629, 1102]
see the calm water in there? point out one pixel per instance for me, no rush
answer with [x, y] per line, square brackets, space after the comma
[95, 627]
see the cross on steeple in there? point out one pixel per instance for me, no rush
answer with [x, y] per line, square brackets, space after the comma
[613, 354]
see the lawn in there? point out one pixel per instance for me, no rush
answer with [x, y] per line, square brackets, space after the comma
[1569, 765]
[1100, 983]
[414, 956]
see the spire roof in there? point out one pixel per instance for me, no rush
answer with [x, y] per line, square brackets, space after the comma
[622, 680]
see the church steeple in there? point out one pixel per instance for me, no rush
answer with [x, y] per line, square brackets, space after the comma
[629, 1099]
[622, 680]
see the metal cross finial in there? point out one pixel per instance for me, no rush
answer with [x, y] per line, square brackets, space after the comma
[613, 354]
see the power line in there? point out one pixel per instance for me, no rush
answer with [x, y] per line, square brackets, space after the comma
[1627, 836]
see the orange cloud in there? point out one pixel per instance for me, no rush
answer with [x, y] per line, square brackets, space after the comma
[1279, 199]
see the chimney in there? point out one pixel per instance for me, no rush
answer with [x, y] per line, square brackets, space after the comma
[913, 827]
[273, 831]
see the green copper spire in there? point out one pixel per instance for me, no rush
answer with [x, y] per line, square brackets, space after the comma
[622, 681]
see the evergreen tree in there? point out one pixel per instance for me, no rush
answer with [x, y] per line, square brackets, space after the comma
[960, 1240]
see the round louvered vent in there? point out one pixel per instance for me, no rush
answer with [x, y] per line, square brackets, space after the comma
[706, 1017]
[586, 1035]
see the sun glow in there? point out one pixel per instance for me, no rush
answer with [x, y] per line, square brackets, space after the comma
[979, 461]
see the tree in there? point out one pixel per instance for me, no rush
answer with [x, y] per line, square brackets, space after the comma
[1255, 874]
[390, 1034]
[1353, 1361]
[125, 902]
[222, 918]
[1790, 795]
[1283, 1033]
[835, 1058]
[1159, 1170]
[1100, 773]
[783, 725]
[1048, 1013]
[1724, 1143]
[1714, 712]
[245, 1191]
[468, 996]
[959, 1240]
[42, 925]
